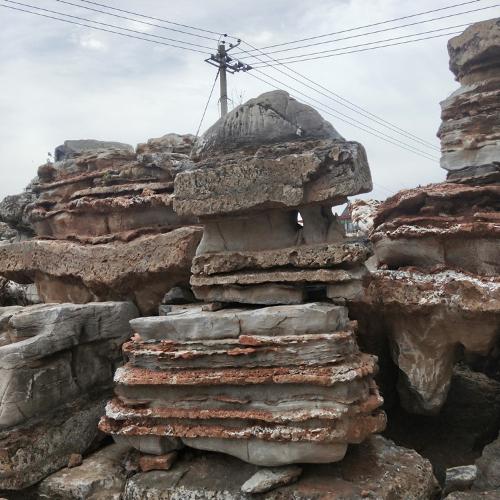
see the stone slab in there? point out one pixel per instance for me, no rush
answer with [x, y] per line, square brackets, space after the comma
[102, 472]
[305, 256]
[284, 176]
[194, 324]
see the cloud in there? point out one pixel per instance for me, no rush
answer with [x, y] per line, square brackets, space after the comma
[61, 81]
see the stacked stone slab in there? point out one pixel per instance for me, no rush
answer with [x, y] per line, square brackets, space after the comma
[270, 385]
[104, 225]
[56, 366]
[438, 284]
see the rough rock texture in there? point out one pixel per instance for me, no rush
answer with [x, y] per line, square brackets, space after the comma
[432, 316]
[437, 247]
[488, 468]
[270, 118]
[100, 474]
[287, 176]
[104, 224]
[141, 270]
[72, 148]
[269, 479]
[374, 469]
[240, 381]
[460, 478]
[32, 451]
[470, 132]
[56, 365]
[449, 225]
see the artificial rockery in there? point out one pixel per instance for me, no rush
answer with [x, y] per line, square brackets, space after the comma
[198, 301]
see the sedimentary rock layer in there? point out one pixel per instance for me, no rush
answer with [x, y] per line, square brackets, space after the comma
[430, 318]
[470, 131]
[451, 225]
[141, 270]
[284, 176]
[346, 254]
[195, 324]
[258, 384]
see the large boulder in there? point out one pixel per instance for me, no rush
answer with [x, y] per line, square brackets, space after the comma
[71, 148]
[270, 118]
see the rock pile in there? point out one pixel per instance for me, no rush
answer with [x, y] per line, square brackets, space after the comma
[104, 223]
[56, 371]
[270, 385]
[437, 285]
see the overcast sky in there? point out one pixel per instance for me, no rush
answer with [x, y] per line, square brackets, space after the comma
[59, 81]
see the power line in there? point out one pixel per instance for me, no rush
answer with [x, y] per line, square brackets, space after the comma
[205, 109]
[156, 18]
[341, 117]
[279, 62]
[377, 31]
[350, 105]
[369, 25]
[136, 20]
[108, 25]
[101, 29]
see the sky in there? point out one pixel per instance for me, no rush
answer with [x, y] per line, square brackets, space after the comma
[60, 81]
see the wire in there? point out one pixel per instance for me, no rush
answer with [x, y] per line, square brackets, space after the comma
[205, 110]
[367, 43]
[350, 105]
[155, 18]
[368, 25]
[279, 62]
[399, 144]
[136, 20]
[378, 31]
[101, 29]
[108, 25]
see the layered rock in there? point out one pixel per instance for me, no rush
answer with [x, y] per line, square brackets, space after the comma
[56, 370]
[438, 288]
[470, 132]
[92, 210]
[249, 200]
[270, 385]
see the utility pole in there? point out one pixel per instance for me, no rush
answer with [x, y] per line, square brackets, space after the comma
[225, 64]
[222, 78]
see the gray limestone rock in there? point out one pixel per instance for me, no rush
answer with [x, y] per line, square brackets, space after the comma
[488, 468]
[150, 445]
[285, 176]
[271, 453]
[460, 478]
[71, 148]
[42, 330]
[32, 451]
[101, 473]
[478, 47]
[271, 117]
[271, 478]
[265, 295]
[193, 323]
[13, 210]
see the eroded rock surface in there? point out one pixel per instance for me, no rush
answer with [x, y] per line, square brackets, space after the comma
[374, 469]
[270, 118]
[56, 366]
[240, 382]
[470, 132]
